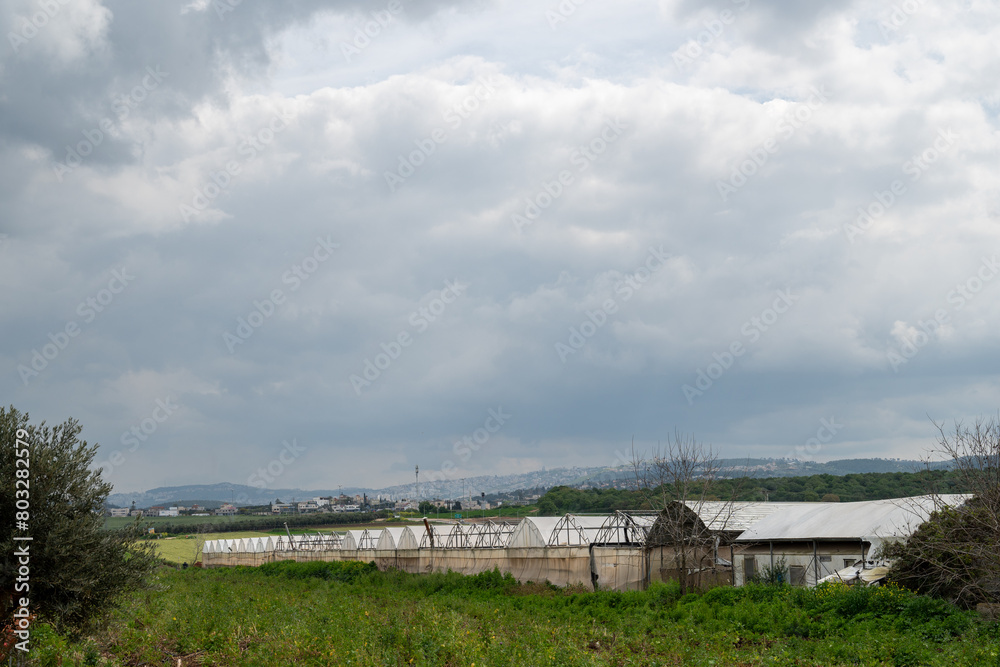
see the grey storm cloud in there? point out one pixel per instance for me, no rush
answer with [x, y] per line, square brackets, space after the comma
[362, 226]
[196, 47]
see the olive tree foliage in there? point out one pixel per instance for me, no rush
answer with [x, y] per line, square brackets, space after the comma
[78, 570]
[955, 554]
[680, 475]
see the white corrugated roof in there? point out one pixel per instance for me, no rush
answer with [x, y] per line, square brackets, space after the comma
[878, 519]
[737, 516]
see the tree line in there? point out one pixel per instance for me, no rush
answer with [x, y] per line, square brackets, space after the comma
[268, 522]
[812, 488]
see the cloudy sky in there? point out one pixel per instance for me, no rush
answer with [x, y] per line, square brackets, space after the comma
[334, 239]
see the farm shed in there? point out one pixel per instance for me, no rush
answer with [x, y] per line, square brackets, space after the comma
[693, 540]
[818, 539]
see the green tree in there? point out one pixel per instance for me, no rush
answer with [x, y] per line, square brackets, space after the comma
[954, 554]
[949, 556]
[546, 507]
[78, 570]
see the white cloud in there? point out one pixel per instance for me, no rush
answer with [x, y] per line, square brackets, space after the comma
[547, 98]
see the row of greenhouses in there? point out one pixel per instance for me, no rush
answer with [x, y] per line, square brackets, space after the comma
[706, 543]
[568, 550]
[531, 532]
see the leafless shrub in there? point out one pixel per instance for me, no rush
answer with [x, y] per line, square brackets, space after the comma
[678, 476]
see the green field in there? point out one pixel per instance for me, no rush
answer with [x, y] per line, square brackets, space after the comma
[349, 614]
[182, 548]
[122, 521]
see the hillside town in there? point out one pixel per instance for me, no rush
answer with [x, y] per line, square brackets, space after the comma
[328, 504]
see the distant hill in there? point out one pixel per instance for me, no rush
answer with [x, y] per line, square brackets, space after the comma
[857, 466]
[493, 484]
[219, 493]
[766, 468]
[206, 504]
[796, 468]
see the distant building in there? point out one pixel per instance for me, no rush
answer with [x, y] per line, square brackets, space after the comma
[282, 508]
[347, 508]
[170, 511]
[118, 511]
[226, 510]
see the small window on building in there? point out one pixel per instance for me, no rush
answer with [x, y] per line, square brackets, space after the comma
[825, 559]
[749, 568]
[848, 562]
[797, 575]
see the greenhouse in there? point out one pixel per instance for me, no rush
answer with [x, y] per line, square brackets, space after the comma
[606, 551]
[359, 540]
[699, 542]
[392, 539]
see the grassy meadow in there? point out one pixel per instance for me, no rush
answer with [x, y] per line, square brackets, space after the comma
[183, 548]
[351, 614]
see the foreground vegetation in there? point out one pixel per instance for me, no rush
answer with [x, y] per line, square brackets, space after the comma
[351, 614]
[57, 554]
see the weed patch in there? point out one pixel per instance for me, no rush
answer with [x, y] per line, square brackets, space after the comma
[345, 613]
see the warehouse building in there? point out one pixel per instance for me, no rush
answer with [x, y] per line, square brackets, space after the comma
[817, 540]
